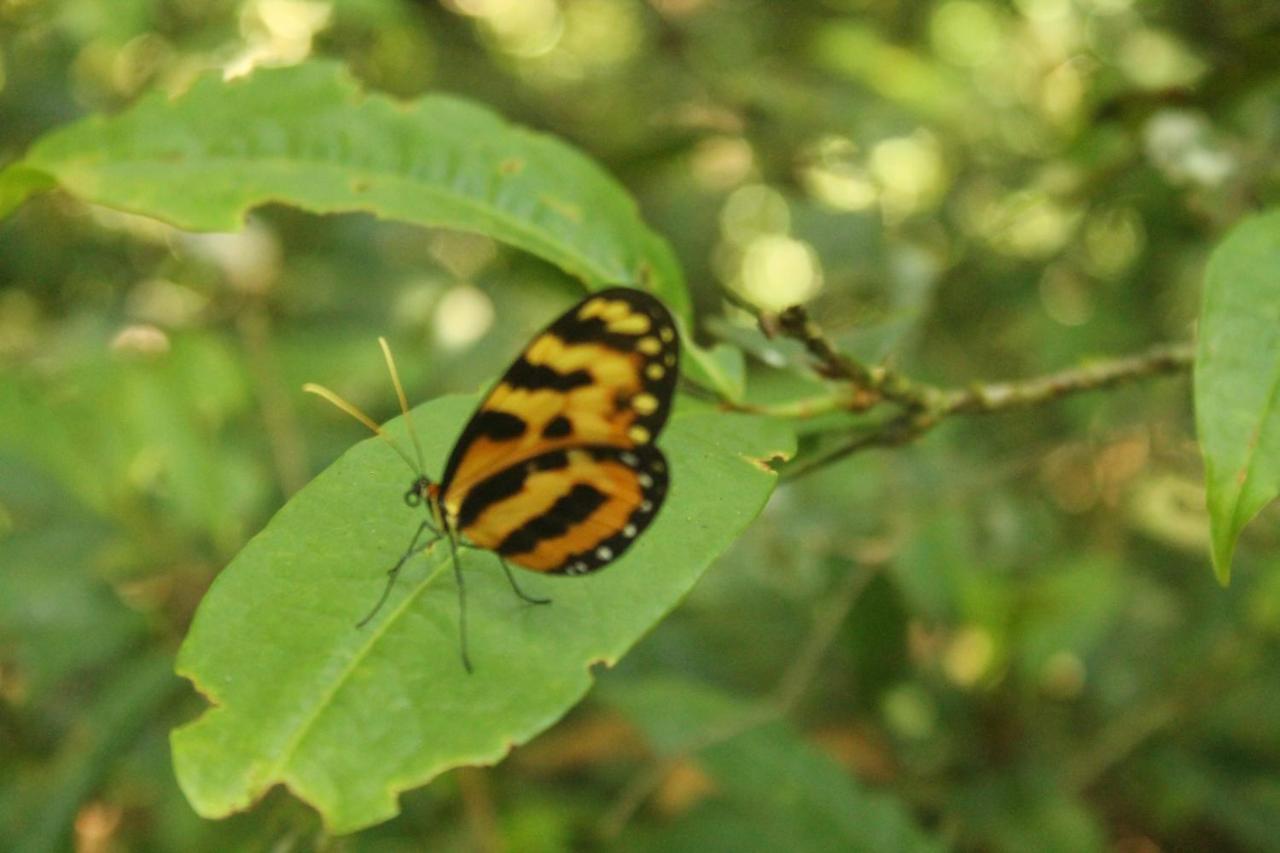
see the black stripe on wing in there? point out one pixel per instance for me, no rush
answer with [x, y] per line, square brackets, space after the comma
[658, 345]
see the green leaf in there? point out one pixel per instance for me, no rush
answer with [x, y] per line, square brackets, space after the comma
[308, 136]
[56, 619]
[18, 183]
[720, 368]
[1237, 381]
[38, 809]
[1024, 807]
[773, 790]
[349, 718]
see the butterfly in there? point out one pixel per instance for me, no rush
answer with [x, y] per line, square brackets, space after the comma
[556, 471]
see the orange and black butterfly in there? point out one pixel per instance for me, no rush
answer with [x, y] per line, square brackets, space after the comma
[556, 471]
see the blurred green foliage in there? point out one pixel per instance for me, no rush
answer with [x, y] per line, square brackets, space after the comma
[1040, 657]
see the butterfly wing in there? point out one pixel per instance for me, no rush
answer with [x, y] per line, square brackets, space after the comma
[567, 511]
[602, 374]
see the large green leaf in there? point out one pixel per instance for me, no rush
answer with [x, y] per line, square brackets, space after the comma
[348, 718]
[308, 136]
[1237, 381]
[773, 791]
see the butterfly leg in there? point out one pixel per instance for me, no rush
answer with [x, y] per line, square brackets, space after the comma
[462, 606]
[524, 596]
[394, 571]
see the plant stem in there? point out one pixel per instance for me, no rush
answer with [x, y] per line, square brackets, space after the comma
[880, 382]
[998, 396]
[288, 449]
[923, 406]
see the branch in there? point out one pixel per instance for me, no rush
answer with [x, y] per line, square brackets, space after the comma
[877, 382]
[923, 406]
[996, 397]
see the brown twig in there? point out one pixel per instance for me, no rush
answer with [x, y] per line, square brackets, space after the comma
[877, 382]
[923, 406]
[478, 806]
[1166, 358]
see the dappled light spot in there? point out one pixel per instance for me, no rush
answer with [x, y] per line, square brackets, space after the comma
[463, 315]
[779, 271]
[754, 210]
[969, 655]
[966, 32]
[835, 174]
[140, 340]
[721, 162]
[910, 173]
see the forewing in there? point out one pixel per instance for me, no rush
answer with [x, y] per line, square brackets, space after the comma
[567, 511]
[601, 374]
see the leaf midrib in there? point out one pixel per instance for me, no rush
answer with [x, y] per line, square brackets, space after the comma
[1252, 451]
[337, 684]
[278, 770]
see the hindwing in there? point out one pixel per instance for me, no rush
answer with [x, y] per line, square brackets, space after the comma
[567, 511]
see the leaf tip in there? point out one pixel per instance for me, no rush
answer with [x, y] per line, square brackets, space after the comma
[1223, 551]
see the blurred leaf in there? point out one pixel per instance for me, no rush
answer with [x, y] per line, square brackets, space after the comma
[1237, 374]
[18, 183]
[132, 437]
[1024, 808]
[1185, 788]
[37, 810]
[1069, 608]
[876, 636]
[773, 791]
[931, 570]
[861, 54]
[56, 618]
[349, 718]
[308, 136]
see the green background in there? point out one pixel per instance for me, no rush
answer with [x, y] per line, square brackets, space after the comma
[1035, 653]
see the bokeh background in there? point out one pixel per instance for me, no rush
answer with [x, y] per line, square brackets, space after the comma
[1037, 656]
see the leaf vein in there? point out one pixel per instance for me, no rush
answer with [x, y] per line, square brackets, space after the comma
[338, 683]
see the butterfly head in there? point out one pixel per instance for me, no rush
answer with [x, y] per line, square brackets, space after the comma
[422, 490]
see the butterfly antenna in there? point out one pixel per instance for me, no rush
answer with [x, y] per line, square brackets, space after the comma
[350, 409]
[404, 403]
